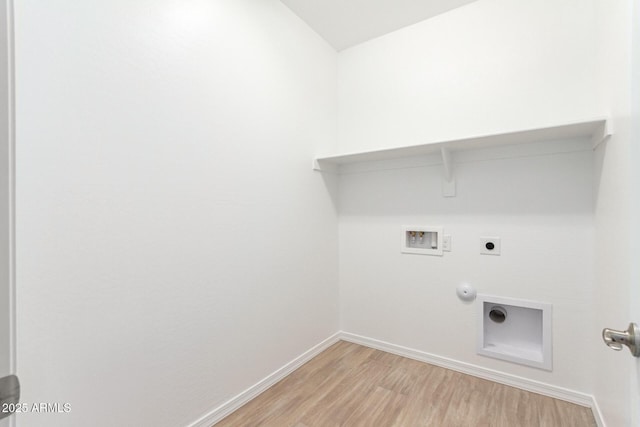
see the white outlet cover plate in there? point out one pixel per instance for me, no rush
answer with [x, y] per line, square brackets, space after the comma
[496, 245]
[446, 243]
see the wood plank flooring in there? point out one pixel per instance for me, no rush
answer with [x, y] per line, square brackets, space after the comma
[352, 385]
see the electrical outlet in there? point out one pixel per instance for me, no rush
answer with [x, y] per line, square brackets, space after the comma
[490, 245]
[446, 243]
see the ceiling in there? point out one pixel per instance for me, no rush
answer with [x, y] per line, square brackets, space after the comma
[345, 23]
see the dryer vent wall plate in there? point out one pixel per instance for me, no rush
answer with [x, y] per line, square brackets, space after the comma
[515, 330]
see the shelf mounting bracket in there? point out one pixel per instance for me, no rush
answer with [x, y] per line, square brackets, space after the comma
[449, 181]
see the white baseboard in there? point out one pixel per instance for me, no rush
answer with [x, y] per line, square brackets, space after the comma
[597, 414]
[556, 392]
[252, 392]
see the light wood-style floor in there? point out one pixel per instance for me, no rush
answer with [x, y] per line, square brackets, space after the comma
[352, 385]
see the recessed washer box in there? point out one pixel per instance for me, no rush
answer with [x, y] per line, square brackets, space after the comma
[515, 330]
[423, 240]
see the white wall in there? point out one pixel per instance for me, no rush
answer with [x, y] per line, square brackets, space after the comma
[488, 67]
[174, 245]
[540, 206]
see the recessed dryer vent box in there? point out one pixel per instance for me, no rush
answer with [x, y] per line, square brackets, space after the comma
[514, 330]
[424, 240]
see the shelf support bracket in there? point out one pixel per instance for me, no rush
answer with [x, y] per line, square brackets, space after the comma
[449, 181]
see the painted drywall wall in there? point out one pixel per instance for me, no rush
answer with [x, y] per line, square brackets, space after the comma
[488, 67]
[614, 190]
[174, 245]
[540, 207]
